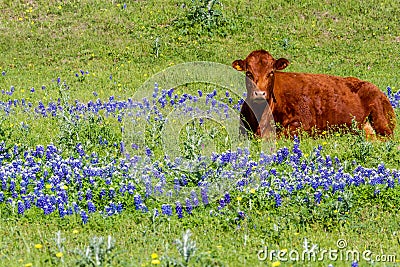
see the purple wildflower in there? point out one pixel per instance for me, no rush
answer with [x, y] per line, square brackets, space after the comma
[91, 207]
[189, 206]
[84, 217]
[21, 207]
[179, 210]
[166, 209]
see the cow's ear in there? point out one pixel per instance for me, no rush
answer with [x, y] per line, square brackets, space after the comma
[239, 65]
[281, 63]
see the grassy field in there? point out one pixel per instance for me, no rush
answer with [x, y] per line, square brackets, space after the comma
[68, 71]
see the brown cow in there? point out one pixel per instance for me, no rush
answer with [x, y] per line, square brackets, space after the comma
[311, 102]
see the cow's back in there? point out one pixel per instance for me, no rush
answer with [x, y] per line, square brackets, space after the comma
[317, 100]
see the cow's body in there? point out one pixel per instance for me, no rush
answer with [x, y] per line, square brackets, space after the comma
[310, 102]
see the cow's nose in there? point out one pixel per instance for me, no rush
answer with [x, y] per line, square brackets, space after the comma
[259, 94]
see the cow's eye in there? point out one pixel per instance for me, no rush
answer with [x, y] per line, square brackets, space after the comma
[271, 74]
[249, 75]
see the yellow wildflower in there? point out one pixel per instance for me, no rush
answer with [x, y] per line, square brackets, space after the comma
[154, 255]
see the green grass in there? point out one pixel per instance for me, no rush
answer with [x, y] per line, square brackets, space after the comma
[43, 40]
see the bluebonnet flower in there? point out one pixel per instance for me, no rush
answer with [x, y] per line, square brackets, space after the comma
[80, 195]
[166, 209]
[47, 208]
[27, 203]
[119, 207]
[204, 195]
[183, 180]
[21, 207]
[241, 214]
[194, 198]
[84, 217]
[221, 204]
[91, 207]
[381, 168]
[122, 147]
[111, 193]
[89, 194]
[148, 152]
[143, 207]
[178, 209]
[189, 206]
[278, 199]
[318, 196]
[137, 201]
[227, 198]
[354, 264]
[389, 91]
[76, 207]
[61, 210]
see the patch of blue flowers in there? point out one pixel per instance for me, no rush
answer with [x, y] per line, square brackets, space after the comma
[47, 180]
[44, 179]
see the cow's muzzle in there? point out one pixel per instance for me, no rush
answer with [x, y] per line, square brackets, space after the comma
[259, 96]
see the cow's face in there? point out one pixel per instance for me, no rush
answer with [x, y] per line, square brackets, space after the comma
[260, 69]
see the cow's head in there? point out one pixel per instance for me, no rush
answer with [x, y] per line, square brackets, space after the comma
[260, 69]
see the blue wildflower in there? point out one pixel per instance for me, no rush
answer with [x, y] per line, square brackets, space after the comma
[178, 209]
[278, 199]
[227, 198]
[21, 207]
[221, 203]
[318, 196]
[137, 201]
[204, 195]
[194, 198]
[148, 152]
[91, 207]
[241, 214]
[166, 209]
[84, 217]
[189, 206]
